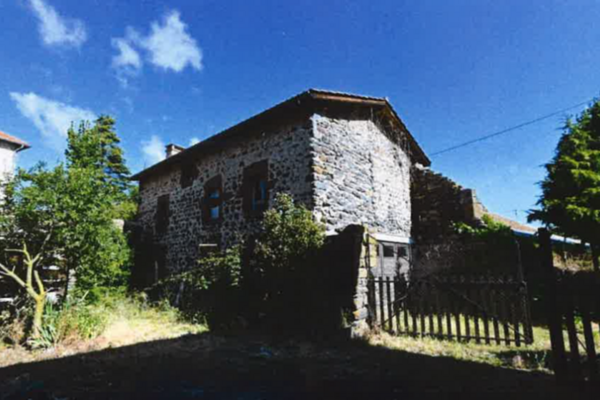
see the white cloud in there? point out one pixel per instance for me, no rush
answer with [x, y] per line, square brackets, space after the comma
[51, 118]
[128, 56]
[128, 62]
[194, 141]
[168, 46]
[153, 150]
[56, 29]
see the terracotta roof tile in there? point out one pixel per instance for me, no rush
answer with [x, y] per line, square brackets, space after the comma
[11, 139]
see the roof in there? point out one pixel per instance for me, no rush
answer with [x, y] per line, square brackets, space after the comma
[14, 140]
[305, 104]
[514, 225]
[520, 229]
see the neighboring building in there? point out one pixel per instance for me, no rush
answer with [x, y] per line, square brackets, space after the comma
[9, 147]
[348, 158]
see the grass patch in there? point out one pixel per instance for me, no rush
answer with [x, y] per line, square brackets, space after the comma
[111, 321]
[533, 357]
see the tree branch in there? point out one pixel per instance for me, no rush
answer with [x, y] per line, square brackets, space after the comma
[11, 274]
[40, 284]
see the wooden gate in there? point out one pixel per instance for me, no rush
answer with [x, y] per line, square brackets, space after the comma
[572, 307]
[465, 308]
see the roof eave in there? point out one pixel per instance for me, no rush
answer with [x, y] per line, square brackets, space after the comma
[293, 103]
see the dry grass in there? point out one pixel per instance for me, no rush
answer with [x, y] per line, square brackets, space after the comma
[533, 357]
[128, 322]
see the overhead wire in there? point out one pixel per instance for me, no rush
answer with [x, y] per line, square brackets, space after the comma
[510, 129]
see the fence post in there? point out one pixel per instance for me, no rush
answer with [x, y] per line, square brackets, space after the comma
[551, 301]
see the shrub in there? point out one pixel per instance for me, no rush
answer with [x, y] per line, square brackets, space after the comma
[73, 320]
[14, 322]
[209, 292]
[285, 265]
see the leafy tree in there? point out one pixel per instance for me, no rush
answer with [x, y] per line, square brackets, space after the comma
[570, 201]
[35, 290]
[76, 204]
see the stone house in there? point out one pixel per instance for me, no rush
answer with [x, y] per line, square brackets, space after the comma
[9, 147]
[348, 158]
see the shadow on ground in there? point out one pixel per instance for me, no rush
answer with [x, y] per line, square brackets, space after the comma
[209, 366]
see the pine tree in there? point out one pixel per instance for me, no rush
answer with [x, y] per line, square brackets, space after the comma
[98, 147]
[570, 200]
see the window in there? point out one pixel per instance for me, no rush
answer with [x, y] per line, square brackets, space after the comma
[402, 251]
[388, 251]
[189, 172]
[212, 202]
[256, 189]
[162, 214]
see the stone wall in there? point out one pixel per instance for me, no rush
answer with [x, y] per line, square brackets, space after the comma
[348, 171]
[361, 176]
[288, 153]
[437, 203]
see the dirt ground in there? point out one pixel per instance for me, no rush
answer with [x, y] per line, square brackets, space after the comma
[210, 366]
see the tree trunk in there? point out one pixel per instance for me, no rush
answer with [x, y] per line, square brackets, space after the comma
[595, 256]
[40, 303]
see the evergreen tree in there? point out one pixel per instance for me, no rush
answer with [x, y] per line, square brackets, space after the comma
[570, 201]
[98, 147]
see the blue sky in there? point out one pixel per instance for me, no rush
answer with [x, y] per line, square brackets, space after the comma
[177, 71]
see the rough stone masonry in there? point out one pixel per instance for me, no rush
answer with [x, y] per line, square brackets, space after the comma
[348, 158]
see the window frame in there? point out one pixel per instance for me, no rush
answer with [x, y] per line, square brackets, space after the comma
[209, 203]
[188, 174]
[256, 179]
[163, 210]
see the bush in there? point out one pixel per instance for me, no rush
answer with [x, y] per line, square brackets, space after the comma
[208, 293]
[15, 322]
[73, 320]
[285, 266]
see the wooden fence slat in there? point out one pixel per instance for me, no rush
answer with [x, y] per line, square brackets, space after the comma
[477, 298]
[573, 339]
[397, 304]
[505, 317]
[590, 345]
[422, 309]
[467, 309]
[381, 304]
[456, 316]
[413, 312]
[449, 316]
[405, 303]
[429, 306]
[495, 313]
[516, 320]
[389, 304]
[486, 321]
[438, 312]
[525, 303]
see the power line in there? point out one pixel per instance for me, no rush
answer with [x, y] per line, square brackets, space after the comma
[512, 128]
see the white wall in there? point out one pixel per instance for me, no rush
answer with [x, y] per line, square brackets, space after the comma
[8, 160]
